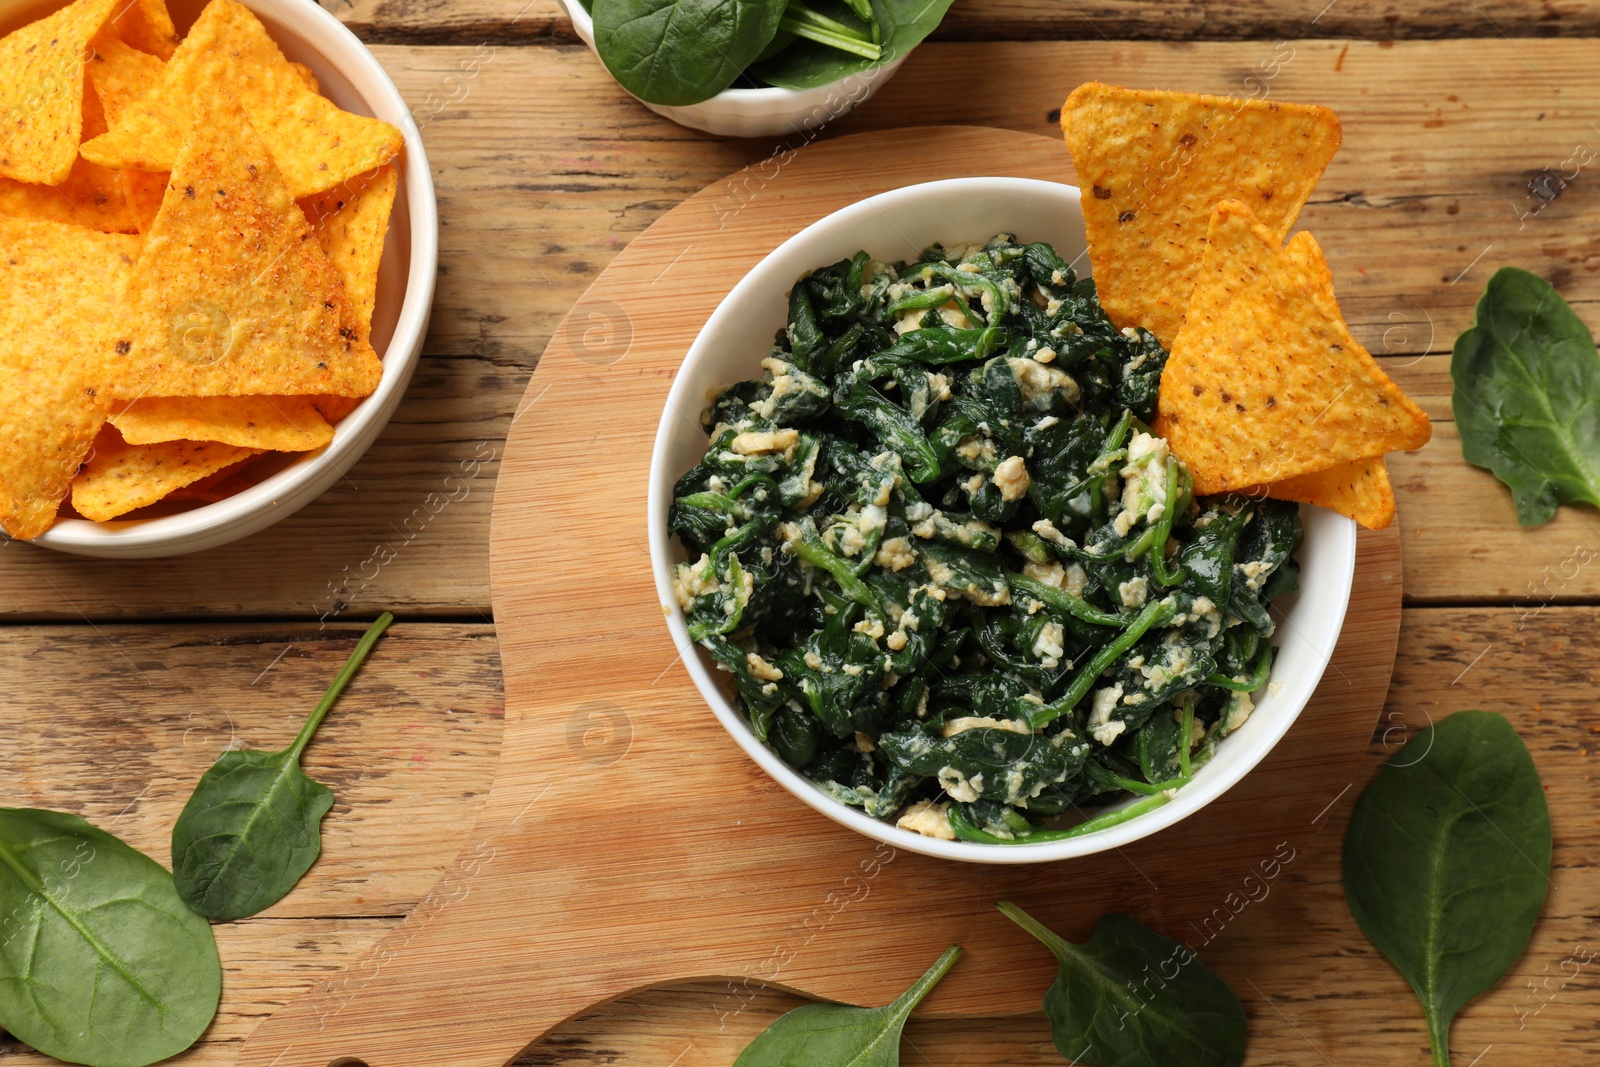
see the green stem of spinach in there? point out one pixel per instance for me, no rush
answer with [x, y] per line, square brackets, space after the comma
[1258, 675]
[811, 549]
[348, 671]
[1158, 551]
[1439, 1038]
[1061, 601]
[1185, 741]
[803, 22]
[1156, 613]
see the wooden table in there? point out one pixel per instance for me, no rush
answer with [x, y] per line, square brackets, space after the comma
[1470, 141]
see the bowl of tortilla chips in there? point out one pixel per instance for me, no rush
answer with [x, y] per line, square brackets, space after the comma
[223, 240]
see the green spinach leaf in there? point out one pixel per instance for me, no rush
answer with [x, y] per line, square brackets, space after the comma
[100, 962]
[1129, 997]
[809, 64]
[254, 824]
[1527, 395]
[1446, 861]
[837, 1035]
[677, 52]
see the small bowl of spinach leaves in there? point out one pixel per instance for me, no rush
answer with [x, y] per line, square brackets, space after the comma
[755, 68]
[932, 569]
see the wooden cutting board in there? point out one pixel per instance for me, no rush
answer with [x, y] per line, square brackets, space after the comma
[628, 841]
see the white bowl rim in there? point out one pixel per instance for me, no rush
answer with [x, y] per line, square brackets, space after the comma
[1191, 798]
[289, 488]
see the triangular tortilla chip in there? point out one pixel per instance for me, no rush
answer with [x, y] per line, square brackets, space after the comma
[92, 196]
[1359, 490]
[41, 92]
[275, 423]
[1265, 381]
[351, 223]
[121, 75]
[233, 296]
[147, 26]
[316, 145]
[120, 477]
[226, 482]
[1152, 165]
[58, 289]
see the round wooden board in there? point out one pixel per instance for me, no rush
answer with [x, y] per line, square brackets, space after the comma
[628, 841]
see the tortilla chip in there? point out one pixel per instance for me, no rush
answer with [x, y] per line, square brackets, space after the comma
[1152, 165]
[1265, 381]
[147, 26]
[41, 92]
[306, 76]
[232, 295]
[335, 408]
[228, 52]
[351, 222]
[273, 423]
[92, 196]
[58, 289]
[120, 477]
[219, 486]
[121, 75]
[1359, 490]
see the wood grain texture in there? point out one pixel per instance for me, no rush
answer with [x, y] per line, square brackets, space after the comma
[747, 881]
[542, 21]
[1434, 171]
[1429, 193]
[1312, 986]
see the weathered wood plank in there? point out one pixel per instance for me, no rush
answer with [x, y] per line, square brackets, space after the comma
[1312, 985]
[117, 723]
[545, 169]
[533, 21]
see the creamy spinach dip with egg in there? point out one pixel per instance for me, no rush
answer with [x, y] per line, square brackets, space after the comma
[957, 581]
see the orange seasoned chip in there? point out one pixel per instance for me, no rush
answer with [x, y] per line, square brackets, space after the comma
[273, 423]
[1152, 165]
[233, 296]
[147, 26]
[335, 408]
[120, 477]
[58, 289]
[41, 92]
[1358, 489]
[228, 52]
[351, 223]
[306, 76]
[121, 75]
[92, 196]
[1265, 381]
[219, 486]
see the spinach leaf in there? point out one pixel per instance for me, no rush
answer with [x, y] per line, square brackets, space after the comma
[809, 64]
[1527, 395]
[100, 962]
[253, 826]
[678, 52]
[1129, 997]
[841, 1036]
[1446, 861]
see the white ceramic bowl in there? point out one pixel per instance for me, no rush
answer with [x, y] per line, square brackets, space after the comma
[766, 112]
[352, 78]
[896, 226]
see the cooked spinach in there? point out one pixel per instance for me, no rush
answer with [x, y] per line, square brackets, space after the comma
[1447, 859]
[253, 825]
[678, 52]
[1527, 395]
[842, 1036]
[955, 577]
[100, 961]
[1129, 997]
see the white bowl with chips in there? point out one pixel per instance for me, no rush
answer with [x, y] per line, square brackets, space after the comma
[352, 78]
[895, 226]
